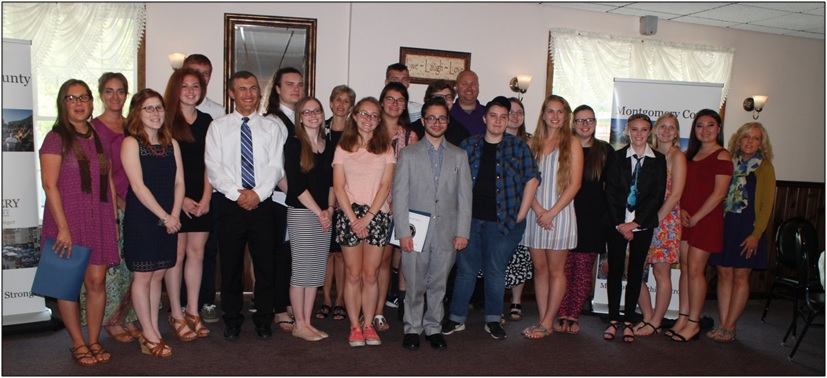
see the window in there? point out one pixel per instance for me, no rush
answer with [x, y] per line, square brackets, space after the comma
[74, 40]
[585, 65]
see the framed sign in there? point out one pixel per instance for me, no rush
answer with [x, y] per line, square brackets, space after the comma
[426, 66]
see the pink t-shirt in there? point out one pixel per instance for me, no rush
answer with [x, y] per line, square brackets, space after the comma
[363, 174]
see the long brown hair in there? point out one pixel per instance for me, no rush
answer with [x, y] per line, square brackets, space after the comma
[521, 133]
[564, 136]
[694, 142]
[174, 118]
[134, 126]
[595, 161]
[379, 142]
[63, 125]
[306, 160]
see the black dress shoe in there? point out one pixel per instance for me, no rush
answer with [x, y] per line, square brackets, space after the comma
[231, 333]
[264, 332]
[437, 341]
[411, 341]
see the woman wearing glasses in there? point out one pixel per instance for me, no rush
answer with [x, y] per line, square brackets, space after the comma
[708, 172]
[362, 175]
[590, 209]
[188, 126]
[551, 228]
[635, 186]
[519, 270]
[394, 99]
[307, 159]
[152, 160]
[80, 210]
[747, 210]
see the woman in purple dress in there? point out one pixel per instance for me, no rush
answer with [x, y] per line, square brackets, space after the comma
[80, 210]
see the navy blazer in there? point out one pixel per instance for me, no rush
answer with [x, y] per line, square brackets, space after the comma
[651, 188]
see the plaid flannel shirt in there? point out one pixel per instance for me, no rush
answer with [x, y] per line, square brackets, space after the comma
[515, 167]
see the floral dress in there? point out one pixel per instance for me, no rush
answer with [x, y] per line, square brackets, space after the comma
[666, 239]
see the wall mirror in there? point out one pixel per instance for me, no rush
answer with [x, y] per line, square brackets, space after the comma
[263, 44]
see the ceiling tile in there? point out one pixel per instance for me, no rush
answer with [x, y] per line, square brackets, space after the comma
[762, 29]
[805, 35]
[740, 13]
[585, 6]
[817, 11]
[793, 21]
[676, 8]
[788, 6]
[704, 21]
[816, 30]
[640, 12]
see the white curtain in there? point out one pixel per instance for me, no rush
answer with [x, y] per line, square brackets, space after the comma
[75, 41]
[585, 65]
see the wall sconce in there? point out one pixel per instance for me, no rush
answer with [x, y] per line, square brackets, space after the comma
[176, 60]
[520, 84]
[755, 104]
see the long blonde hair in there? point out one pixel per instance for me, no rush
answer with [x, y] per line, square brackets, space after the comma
[675, 142]
[563, 136]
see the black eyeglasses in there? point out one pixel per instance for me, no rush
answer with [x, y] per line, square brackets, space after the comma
[75, 99]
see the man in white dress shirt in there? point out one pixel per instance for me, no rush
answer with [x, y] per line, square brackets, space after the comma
[244, 159]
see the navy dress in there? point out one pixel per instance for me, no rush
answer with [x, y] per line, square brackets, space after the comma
[148, 247]
[737, 226]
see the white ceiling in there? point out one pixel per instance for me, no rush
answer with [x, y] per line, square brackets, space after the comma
[797, 19]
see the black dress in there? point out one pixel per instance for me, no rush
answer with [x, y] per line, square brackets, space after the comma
[148, 247]
[192, 159]
[590, 207]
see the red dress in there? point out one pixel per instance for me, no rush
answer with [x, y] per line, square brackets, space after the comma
[708, 233]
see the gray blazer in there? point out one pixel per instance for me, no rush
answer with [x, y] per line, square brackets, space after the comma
[413, 189]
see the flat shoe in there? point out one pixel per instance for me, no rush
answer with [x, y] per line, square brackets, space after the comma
[537, 332]
[339, 313]
[286, 325]
[516, 312]
[83, 358]
[642, 325]
[380, 323]
[571, 330]
[561, 325]
[306, 334]
[323, 312]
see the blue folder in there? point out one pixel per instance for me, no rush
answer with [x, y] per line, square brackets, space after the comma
[60, 277]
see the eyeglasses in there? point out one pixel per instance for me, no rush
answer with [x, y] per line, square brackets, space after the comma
[391, 100]
[365, 115]
[309, 112]
[74, 99]
[584, 121]
[153, 109]
[518, 112]
[433, 119]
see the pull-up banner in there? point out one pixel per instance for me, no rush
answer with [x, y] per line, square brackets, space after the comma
[21, 234]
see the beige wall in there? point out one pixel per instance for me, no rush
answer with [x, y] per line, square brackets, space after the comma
[357, 41]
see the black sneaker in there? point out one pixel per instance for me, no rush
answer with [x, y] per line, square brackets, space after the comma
[495, 329]
[252, 307]
[392, 302]
[451, 326]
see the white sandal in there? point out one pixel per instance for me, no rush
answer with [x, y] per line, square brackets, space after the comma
[380, 323]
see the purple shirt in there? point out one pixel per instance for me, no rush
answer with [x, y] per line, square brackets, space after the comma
[114, 140]
[472, 122]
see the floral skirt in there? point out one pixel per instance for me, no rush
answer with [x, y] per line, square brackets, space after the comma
[378, 228]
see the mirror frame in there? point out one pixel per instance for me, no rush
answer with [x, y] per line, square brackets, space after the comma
[231, 20]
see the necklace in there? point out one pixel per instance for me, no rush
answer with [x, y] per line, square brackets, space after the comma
[152, 149]
[85, 135]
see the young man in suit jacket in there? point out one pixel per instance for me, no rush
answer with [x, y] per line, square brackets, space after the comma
[431, 176]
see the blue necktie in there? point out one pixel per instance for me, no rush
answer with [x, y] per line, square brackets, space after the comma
[631, 200]
[248, 177]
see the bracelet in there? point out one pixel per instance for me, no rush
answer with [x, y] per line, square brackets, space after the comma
[163, 220]
[371, 213]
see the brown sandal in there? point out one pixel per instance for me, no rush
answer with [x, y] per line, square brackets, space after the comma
[100, 354]
[181, 330]
[159, 349]
[124, 337]
[83, 358]
[194, 322]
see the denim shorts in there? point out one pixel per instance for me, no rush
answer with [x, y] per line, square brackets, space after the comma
[378, 228]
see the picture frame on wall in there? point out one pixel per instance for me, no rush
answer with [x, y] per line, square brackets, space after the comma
[427, 65]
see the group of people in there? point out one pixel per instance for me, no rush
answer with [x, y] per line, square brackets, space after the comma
[179, 180]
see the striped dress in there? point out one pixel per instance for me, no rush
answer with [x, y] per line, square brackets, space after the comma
[563, 234]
